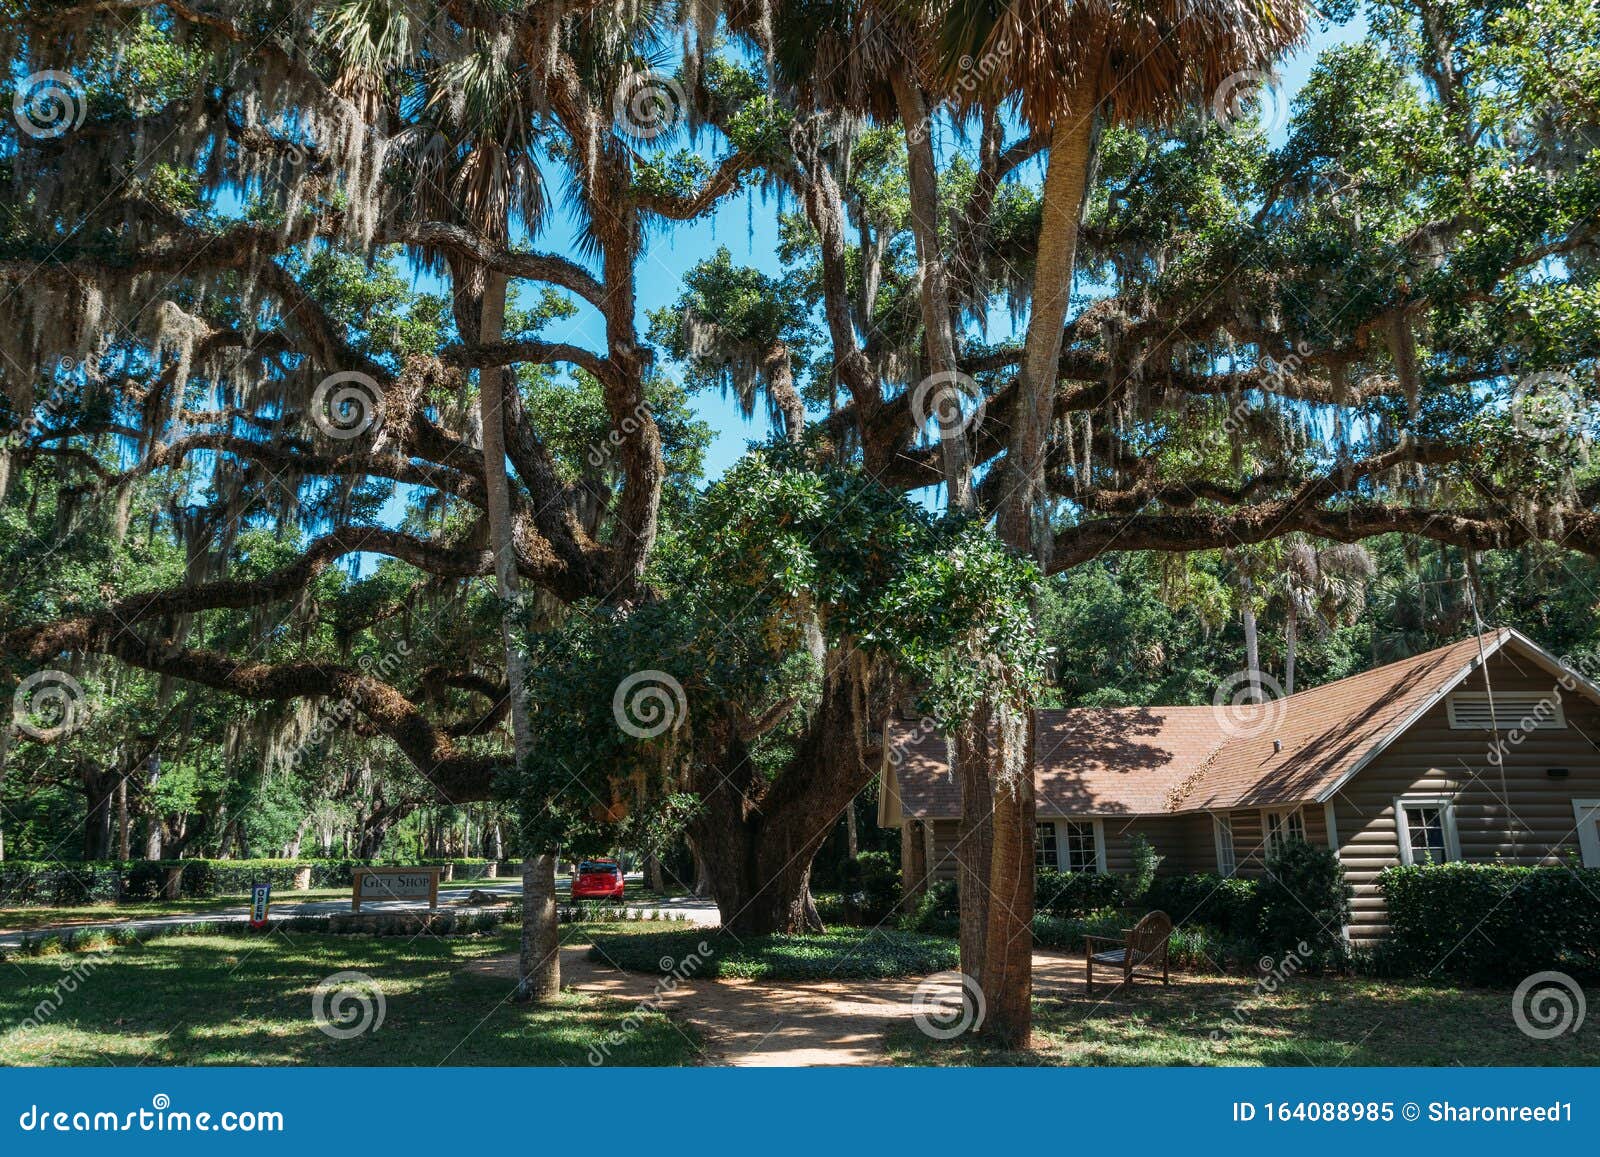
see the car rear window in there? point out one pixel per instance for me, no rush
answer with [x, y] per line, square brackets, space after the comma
[591, 866]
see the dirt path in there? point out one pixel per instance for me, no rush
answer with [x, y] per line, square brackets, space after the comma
[789, 1023]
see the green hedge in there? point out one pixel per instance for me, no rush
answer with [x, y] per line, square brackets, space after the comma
[1076, 893]
[1489, 922]
[1227, 904]
[37, 883]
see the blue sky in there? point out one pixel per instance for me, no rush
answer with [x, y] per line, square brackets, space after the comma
[747, 225]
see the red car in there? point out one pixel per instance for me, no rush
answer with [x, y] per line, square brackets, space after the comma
[598, 880]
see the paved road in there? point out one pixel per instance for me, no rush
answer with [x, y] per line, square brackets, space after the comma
[696, 911]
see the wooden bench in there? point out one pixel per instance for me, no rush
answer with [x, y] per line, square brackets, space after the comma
[1142, 946]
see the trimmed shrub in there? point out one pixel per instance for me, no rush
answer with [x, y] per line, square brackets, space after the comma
[43, 883]
[1304, 899]
[1068, 894]
[1490, 922]
[1228, 905]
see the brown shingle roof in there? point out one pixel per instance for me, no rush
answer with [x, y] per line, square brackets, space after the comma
[1327, 730]
[1151, 760]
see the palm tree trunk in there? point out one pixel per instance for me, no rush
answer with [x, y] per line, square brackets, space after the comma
[5, 750]
[1007, 953]
[122, 818]
[1252, 639]
[1071, 145]
[970, 751]
[1008, 949]
[937, 318]
[1291, 638]
[539, 961]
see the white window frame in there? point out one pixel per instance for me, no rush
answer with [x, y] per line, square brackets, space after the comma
[1222, 841]
[1097, 827]
[1586, 815]
[1447, 817]
[1055, 838]
[1270, 839]
[1510, 710]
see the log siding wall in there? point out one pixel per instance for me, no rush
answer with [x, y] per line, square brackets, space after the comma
[1523, 818]
[1511, 812]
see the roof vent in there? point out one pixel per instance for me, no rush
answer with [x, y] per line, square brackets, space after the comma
[1277, 745]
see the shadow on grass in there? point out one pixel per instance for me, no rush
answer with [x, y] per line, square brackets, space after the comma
[234, 999]
[1309, 1021]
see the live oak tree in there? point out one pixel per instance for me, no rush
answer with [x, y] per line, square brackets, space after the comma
[1374, 328]
[1382, 326]
[706, 703]
[243, 141]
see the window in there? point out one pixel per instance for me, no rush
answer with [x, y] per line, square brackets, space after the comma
[1044, 847]
[1426, 826]
[1082, 846]
[1520, 710]
[1587, 814]
[1283, 826]
[1222, 833]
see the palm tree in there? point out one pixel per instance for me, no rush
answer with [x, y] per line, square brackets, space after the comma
[1070, 64]
[1326, 587]
[472, 154]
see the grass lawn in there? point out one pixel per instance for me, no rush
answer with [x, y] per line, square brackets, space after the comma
[28, 919]
[240, 999]
[838, 954]
[1306, 1022]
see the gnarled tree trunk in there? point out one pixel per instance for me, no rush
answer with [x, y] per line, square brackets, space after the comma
[757, 836]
